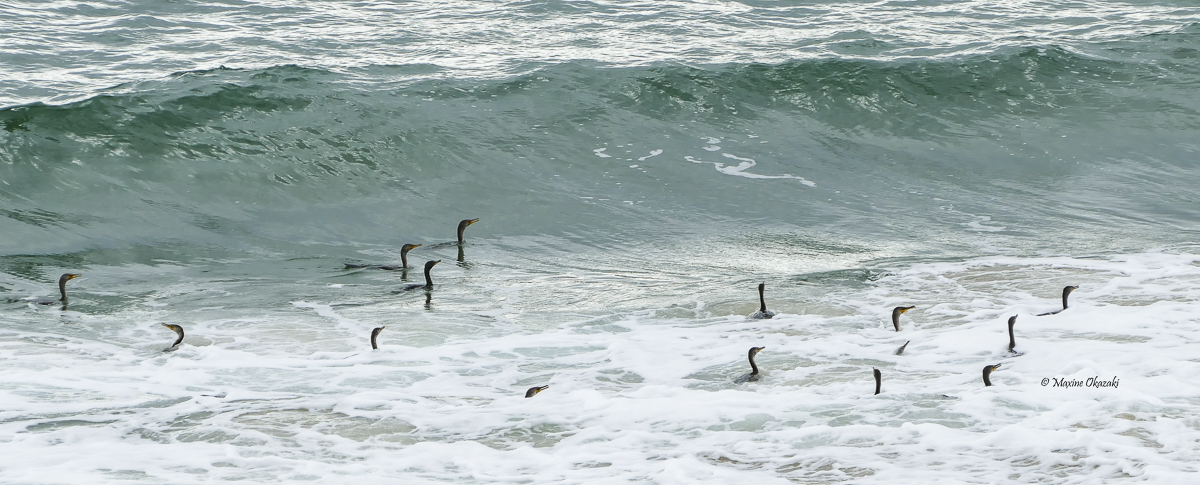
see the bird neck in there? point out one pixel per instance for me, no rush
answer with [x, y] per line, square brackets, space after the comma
[62, 290]
[762, 302]
[1066, 293]
[403, 259]
[986, 374]
[753, 366]
[896, 319]
[428, 280]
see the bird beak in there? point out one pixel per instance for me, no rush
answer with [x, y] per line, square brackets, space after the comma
[415, 246]
[472, 221]
[73, 276]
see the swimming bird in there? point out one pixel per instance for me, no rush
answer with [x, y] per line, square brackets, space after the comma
[178, 331]
[762, 312]
[62, 290]
[428, 281]
[403, 260]
[896, 315]
[753, 375]
[901, 349]
[374, 334]
[1012, 341]
[404, 253]
[534, 390]
[462, 226]
[878, 379]
[987, 373]
[1066, 292]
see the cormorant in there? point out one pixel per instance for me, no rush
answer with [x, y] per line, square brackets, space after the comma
[753, 375]
[534, 390]
[62, 290]
[1066, 292]
[987, 373]
[1012, 340]
[428, 281]
[878, 379]
[403, 260]
[462, 226]
[896, 315]
[762, 305]
[902, 347]
[178, 331]
[374, 334]
[404, 253]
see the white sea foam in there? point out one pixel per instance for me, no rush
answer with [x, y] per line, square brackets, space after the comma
[653, 153]
[637, 395]
[743, 165]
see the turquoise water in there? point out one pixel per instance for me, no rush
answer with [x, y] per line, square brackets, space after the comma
[638, 168]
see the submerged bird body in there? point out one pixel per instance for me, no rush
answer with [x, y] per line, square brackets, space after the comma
[902, 347]
[762, 312]
[754, 374]
[374, 335]
[987, 374]
[896, 315]
[428, 280]
[1066, 292]
[178, 331]
[878, 379]
[534, 390]
[462, 226]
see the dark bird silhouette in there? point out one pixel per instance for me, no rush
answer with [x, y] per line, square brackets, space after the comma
[403, 260]
[178, 331]
[878, 379]
[1066, 292]
[987, 374]
[374, 335]
[62, 291]
[896, 315]
[902, 347]
[462, 226]
[1012, 340]
[428, 280]
[534, 390]
[753, 375]
[762, 312]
